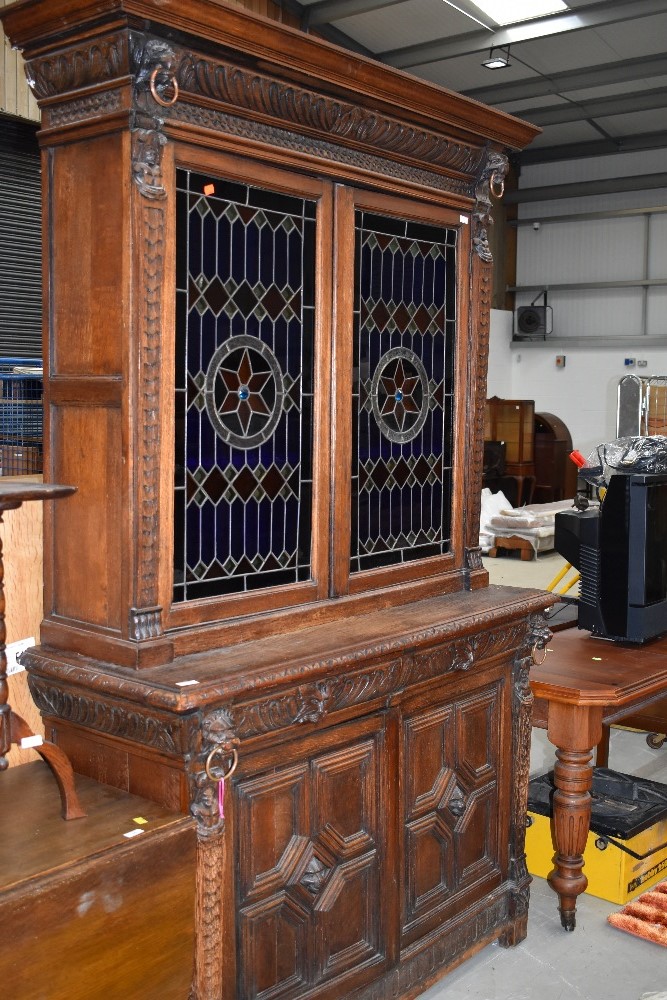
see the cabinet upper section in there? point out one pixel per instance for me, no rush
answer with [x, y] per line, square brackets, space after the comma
[266, 324]
[193, 57]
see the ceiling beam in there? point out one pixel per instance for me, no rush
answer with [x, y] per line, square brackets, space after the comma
[575, 111]
[327, 11]
[623, 71]
[583, 189]
[594, 147]
[593, 16]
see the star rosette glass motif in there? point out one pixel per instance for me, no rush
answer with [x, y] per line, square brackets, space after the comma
[399, 394]
[244, 392]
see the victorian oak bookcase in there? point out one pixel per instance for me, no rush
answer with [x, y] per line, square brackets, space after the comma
[267, 288]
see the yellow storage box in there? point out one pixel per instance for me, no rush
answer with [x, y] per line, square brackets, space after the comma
[626, 850]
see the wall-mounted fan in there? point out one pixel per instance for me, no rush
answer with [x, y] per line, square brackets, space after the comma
[534, 322]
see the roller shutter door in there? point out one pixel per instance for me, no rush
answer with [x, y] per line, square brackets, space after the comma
[20, 241]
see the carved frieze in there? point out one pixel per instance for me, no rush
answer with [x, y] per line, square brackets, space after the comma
[85, 65]
[91, 106]
[159, 732]
[313, 702]
[171, 82]
[250, 91]
[462, 654]
[293, 141]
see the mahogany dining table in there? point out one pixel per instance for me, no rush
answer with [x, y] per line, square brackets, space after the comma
[581, 685]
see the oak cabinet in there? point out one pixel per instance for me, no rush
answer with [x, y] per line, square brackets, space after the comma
[312, 888]
[267, 313]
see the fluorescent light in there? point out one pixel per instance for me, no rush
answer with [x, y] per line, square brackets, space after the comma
[498, 58]
[511, 11]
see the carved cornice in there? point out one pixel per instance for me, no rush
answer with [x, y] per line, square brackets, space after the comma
[303, 108]
[173, 83]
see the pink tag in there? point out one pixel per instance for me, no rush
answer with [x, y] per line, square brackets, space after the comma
[221, 799]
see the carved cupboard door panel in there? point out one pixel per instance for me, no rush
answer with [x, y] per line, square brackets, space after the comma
[451, 756]
[311, 839]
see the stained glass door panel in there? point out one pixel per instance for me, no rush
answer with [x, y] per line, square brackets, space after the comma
[402, 402]
[244, 387]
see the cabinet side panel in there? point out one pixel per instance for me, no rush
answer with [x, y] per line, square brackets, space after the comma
[86, 544]
[88, 305]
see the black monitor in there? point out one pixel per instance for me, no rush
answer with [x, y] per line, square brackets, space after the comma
[621, 552]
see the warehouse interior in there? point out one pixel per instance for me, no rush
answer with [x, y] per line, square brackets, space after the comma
[568, 301]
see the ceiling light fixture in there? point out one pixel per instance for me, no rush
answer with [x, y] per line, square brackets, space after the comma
[499, 58]
[513, 11]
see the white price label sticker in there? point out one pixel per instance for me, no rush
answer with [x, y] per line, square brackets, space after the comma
[31, 741]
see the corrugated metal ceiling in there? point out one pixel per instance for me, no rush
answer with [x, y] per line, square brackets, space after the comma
[595, 79]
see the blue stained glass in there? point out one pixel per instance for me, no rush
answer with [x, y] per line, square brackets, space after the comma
[404, 316]
[244, 341]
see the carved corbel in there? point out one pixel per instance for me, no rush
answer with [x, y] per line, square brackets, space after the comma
[491, 182]
[217, 742]
[155, 88]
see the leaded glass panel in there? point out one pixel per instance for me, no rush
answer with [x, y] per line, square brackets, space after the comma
[402, 406]
[244, 387]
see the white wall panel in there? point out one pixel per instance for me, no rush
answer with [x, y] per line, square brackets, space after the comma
[601, 250]
[583, 393]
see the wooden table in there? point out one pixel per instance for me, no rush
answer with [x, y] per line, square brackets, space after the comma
[13, 728]
[582, 684]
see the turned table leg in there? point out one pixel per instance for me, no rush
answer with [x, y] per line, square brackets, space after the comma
[575, 731]
[14, 729]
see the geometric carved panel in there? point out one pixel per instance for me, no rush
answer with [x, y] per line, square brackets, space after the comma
[348, 927]
[477, 737]
[274, 950]
[310, 887]
[345, 799]
[273, 826]
[450, 805]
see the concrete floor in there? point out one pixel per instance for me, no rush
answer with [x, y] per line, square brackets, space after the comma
[595, 961]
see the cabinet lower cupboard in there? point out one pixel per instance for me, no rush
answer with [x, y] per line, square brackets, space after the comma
[374, 817]
[266, 336]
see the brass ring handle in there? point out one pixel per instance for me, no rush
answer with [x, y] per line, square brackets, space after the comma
[497, 187]
[227, 753]
[538, 663]
[154, 91]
